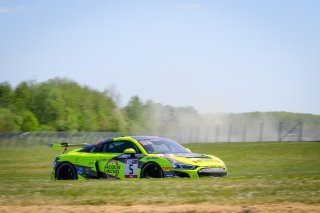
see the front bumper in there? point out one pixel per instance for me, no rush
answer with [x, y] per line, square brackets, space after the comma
[212, 172]
[202, 172]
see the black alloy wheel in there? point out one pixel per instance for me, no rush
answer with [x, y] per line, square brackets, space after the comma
[66, 171]
[151, 170]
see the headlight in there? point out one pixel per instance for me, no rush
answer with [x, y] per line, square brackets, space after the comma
[180, 165]
[183, 166]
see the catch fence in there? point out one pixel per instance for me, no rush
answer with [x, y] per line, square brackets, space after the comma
[231, 132]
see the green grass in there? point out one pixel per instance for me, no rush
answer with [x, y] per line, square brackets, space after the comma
[258, 173]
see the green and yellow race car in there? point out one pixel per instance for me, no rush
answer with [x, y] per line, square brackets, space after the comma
[134, 157]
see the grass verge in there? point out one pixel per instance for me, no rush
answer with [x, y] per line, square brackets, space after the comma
[259, 173]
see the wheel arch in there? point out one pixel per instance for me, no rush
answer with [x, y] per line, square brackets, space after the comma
[59, 165]
[154, 163]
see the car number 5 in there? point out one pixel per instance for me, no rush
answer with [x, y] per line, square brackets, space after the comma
[131, 168]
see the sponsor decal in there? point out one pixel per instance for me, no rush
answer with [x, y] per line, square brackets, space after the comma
[87, 170]
[139, 156]
[169, 174]
[151, 158]
[124, 156]
[131, 168]
[204, 160]
[80, 170]
[112, 168]
[127, 156]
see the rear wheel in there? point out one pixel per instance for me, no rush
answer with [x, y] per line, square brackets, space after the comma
[66, 171]
[151, 170]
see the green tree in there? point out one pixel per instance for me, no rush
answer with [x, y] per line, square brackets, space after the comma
[6, 95]
[9, 121]
[47, 103]
[29, 122]
[68, 121]
[22, 96]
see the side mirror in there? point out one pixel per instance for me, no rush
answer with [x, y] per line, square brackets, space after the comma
[188, 149]
[129, 151]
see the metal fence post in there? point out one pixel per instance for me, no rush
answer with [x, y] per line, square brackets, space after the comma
[261, 131]
[230, 133]
[217, 133]
[300, 130]
[280, 131]
[244, 133]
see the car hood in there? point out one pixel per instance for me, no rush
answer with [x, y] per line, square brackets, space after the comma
[195, 159]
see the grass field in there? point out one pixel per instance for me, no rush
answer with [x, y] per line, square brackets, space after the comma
[259, 173]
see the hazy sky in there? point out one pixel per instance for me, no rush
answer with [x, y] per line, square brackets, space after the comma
[217, 56]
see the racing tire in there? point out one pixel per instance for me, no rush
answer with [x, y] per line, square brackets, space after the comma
[151, 170]
[66, 171]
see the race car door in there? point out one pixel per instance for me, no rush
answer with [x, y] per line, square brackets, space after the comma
[114, 164]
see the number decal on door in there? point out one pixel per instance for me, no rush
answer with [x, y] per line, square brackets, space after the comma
[131, 168]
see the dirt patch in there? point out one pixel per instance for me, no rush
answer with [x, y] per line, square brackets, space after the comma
[186, 208]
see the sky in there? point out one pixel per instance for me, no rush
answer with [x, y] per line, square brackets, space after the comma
[214, 55]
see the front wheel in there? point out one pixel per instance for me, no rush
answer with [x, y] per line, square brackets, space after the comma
[151, 170]
[66, 171]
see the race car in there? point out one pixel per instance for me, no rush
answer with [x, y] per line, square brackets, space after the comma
[132, 157]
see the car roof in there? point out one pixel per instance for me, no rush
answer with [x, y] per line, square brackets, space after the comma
[136, 137]
[140, 138]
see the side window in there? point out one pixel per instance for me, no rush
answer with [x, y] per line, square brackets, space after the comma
[119, 147]
[96, 148]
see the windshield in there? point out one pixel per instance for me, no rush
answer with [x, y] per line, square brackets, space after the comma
[162, 146]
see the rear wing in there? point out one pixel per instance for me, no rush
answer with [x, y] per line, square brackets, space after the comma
[65, 146]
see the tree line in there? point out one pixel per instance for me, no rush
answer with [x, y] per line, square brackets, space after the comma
[63, 105]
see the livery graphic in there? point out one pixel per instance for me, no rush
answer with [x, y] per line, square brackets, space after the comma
[112, 169]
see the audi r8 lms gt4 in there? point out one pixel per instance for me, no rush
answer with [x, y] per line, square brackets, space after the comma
[134, 157]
